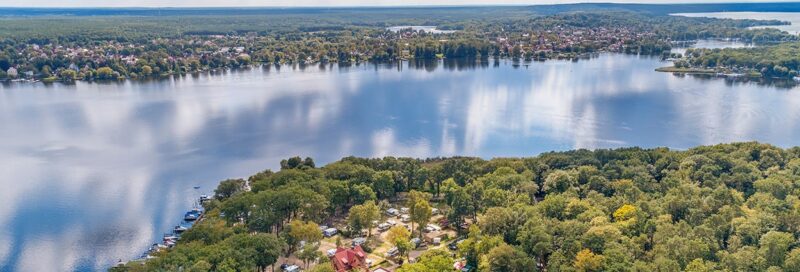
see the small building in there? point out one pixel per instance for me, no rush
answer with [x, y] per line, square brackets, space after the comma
[349, 259]
[12, 72]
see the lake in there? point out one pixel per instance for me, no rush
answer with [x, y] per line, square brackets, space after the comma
[96, 172]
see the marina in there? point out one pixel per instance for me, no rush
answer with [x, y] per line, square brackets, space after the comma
[170, 239]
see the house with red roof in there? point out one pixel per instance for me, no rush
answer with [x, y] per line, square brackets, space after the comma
[349, 259]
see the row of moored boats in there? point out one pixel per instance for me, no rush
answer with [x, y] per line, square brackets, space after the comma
[170, 239]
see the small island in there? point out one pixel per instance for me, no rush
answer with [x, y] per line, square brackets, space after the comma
[728, 207]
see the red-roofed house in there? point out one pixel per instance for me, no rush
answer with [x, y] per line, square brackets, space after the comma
[347, 259]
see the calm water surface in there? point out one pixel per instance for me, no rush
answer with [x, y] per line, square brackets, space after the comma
[96, 172]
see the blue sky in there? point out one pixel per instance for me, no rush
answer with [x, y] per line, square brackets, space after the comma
[252, 3]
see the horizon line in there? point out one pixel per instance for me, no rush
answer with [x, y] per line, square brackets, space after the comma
[398, 6]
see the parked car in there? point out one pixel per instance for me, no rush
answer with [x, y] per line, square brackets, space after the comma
[432, 228]
[405, 218]
[331, 252]
[404, 210]
[292, 268]
[384, 226]
[416, 242]
[392, 212]
[454, 244]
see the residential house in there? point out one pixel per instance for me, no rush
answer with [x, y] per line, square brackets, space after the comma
[12, 72]
[349, 259]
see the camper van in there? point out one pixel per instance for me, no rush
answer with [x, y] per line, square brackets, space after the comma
[330, 232]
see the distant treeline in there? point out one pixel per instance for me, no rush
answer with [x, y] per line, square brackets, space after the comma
[77, 47]
[664, 9]
[459, 11]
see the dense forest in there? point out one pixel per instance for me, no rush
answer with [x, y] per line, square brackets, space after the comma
[780, 61]
[68, 48]
[729, 207]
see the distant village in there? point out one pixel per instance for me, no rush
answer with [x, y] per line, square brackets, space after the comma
[162, 57]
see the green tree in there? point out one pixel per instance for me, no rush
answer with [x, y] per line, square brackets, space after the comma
[774, 247]
[792, 262]
[535, 240]
[105, 73]
[362, 217]
[435, 260]
[228, 188]
[559, 181]
[505, 258]
[400, 237]
[298, 231]
[147, 70]
[309, 254]
[420, 213]
[68, 75]
[586, 261]
[383, 184]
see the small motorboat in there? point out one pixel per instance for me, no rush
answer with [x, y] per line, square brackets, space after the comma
[192, 215]
[179, 229]
[170, 238]
[204, 198]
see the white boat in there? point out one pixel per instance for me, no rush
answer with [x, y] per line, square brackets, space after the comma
[180, 229]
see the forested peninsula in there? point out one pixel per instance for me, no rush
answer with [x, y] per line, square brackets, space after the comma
[728, 207]
[775, 61]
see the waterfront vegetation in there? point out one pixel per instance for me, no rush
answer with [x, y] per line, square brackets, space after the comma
[68, 48]
[776, 61]
[729, 207]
